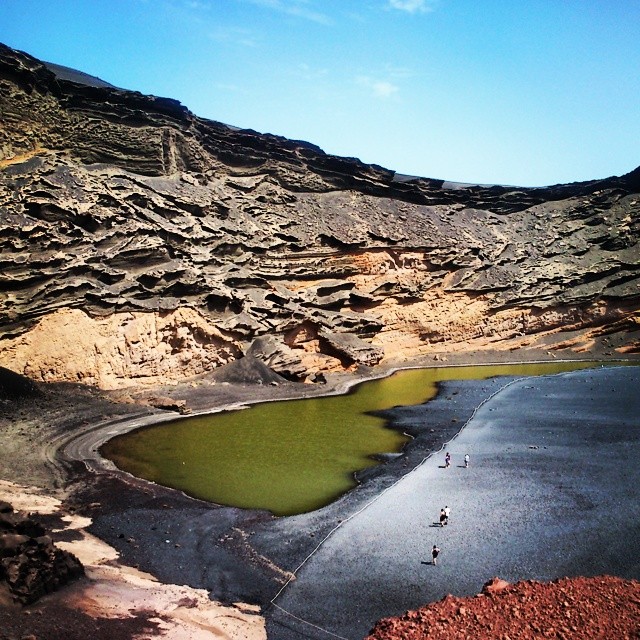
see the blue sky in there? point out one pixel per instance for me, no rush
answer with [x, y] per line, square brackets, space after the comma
[524, 92]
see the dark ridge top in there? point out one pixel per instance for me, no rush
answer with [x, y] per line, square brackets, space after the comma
[79, 77]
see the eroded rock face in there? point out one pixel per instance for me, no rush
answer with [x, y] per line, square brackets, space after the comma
[117, 205]
[68, 344]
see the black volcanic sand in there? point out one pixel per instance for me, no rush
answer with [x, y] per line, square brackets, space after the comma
[552, 491]
[242, 555]
[555, 496]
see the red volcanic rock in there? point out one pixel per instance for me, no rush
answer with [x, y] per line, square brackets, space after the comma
[578, 608]
[494, 585]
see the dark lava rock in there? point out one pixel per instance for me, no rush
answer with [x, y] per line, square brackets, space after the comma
[247, 370]
[348, 347]
[30, 565]
[14, 386]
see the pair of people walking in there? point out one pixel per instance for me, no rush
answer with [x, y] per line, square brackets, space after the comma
[447, 460]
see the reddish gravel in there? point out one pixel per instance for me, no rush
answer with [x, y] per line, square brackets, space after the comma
[580, 608]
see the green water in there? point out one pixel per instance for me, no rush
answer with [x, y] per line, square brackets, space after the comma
[293, 456]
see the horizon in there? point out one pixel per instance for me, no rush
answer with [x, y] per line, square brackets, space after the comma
[533, 96]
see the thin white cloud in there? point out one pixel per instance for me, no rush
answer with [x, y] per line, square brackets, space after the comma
[299, 8]
[379, 88]
[308, 72]
[412, 6]
[384, 89]
[398, 73]
[234, 35]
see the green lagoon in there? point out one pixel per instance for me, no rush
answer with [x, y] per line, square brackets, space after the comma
[292, 456]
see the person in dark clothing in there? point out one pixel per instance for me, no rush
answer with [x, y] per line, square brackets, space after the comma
[434, 554]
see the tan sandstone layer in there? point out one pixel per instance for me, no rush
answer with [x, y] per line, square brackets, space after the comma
[156, 348]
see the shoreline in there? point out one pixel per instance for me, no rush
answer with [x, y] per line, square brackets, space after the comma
[533, 505]
[83, 444]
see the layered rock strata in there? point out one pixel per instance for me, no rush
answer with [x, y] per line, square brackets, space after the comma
[139, 242]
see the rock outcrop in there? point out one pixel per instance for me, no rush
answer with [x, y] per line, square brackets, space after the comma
[141, 243]
[30, 564]
[13, 386]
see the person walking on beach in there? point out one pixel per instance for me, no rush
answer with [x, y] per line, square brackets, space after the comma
[447, 511]
[447, 460]
[434, 554]
[466, 460]
[443, 518]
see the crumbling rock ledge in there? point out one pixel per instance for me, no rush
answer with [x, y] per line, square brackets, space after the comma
[30, 564]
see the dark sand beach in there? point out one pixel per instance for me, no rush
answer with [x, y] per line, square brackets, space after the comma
[552, 491]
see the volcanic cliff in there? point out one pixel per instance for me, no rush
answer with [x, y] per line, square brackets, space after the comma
[141, 243]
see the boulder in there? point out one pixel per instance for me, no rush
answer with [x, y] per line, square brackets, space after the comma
[30, 564]
[278, 357]
[247, 370]
[349, 348]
